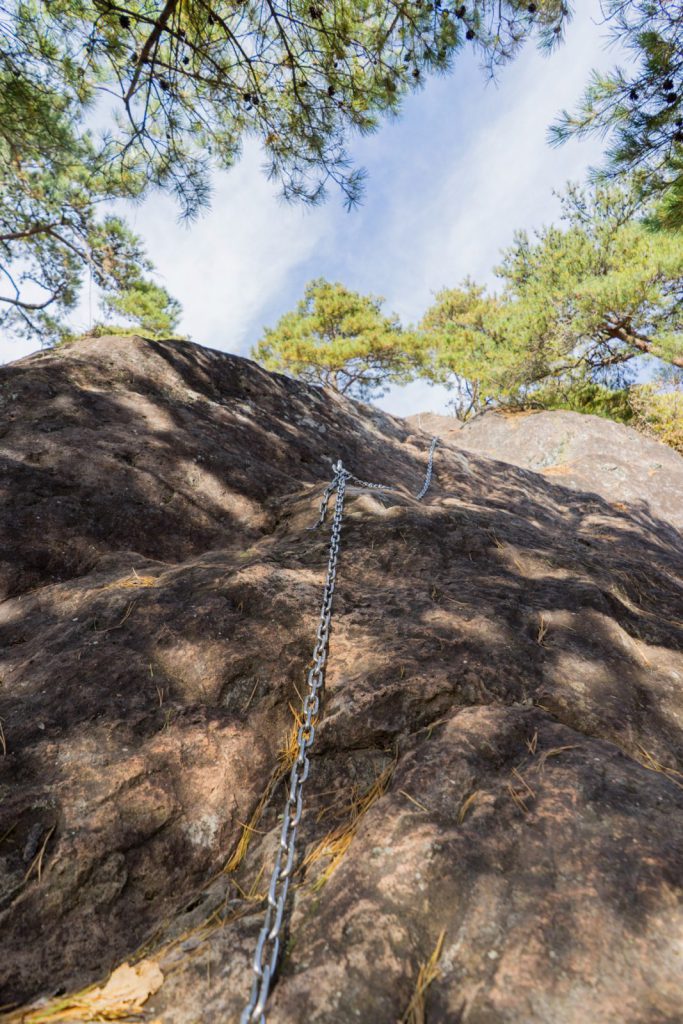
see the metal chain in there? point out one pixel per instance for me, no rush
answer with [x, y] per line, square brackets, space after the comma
[428, 477]
[268, 946]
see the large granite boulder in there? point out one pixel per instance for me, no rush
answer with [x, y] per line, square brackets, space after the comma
[586, 453]
[493, 822]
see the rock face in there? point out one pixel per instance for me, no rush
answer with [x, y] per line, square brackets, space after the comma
[586, 453]
[495, 780]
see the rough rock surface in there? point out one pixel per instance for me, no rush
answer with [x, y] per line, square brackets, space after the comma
[587, 453]
[499, 755]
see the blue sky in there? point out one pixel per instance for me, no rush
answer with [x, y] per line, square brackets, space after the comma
[448, 182]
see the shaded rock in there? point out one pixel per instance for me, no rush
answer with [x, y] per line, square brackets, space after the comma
[499, 754]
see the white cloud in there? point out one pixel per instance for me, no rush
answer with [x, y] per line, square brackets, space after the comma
[226, 266]
[14, 348]
[478, 166]
[416, 397]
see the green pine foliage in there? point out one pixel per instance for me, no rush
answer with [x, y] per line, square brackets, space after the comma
[147, 305]
[52, 233]
[581, 305]
[191, 79]
[659, 412]
[586, 397]
[341, 340]
[578, 304]
[639, 108]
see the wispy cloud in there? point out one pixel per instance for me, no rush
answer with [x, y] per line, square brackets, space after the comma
[226, 267]
[468, 164]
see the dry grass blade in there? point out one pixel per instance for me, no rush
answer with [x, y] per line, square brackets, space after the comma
[118, 625]
[543, 627]
[251, 695]
[286, 759]
[37, 862]
[252, 894]
[250, 828]
[3, 740]
[553, 752]
[517, 798]
[650, 762]
[466, 804]
[290, 748]
[336, 843]
[132, 581]
[429, 729]
[413, 800]
[523, 781]
[429, 972]
[124, 994]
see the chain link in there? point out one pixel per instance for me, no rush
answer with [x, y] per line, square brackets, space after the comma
[267, 952]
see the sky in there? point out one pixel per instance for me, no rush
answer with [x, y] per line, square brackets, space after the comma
[448, 183]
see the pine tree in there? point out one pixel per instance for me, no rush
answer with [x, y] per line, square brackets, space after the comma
[639, 108]
[578, 304]
[52, 234]
[341, 340]
[192, 79]
[147, 305]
